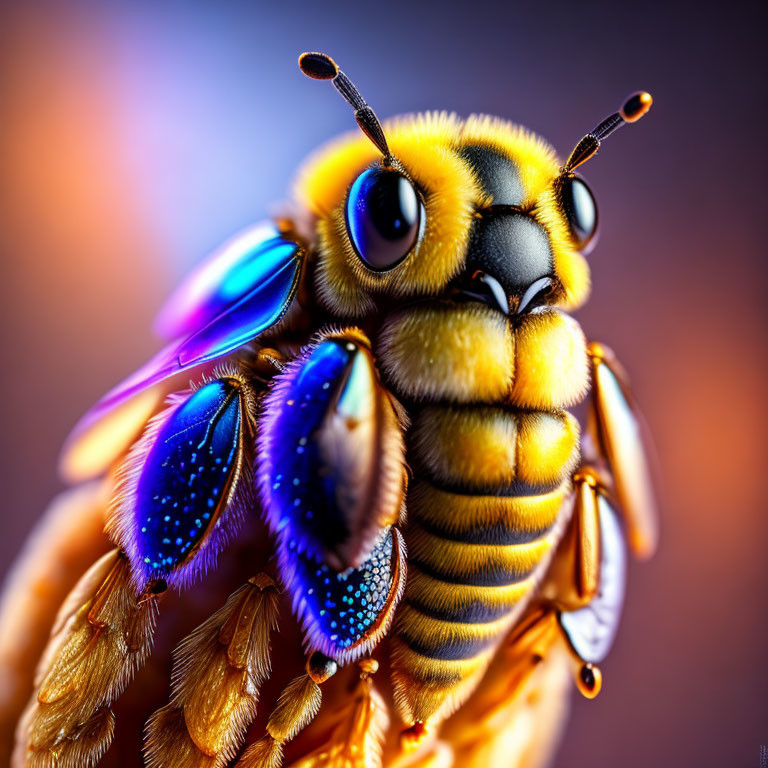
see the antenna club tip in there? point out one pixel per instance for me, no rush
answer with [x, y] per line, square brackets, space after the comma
[636, 106]
[319, 66]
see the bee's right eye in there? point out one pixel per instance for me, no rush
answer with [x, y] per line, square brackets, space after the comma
[385, 217]
[580, 211]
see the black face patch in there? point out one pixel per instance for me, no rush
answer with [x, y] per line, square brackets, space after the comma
[512, 248]
[497, 174]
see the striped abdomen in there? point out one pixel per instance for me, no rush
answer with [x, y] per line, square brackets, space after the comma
[486, 502]
[482, 520]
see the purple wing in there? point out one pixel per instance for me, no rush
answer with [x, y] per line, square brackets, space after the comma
[244, 289]
[219, 281]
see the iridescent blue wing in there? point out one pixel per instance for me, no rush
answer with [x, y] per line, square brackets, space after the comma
[227, 303]
[331, 471]
[231, 272]
[184, 487]
[244, 289]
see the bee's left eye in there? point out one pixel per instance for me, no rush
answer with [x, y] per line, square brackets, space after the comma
[580, 210]
[385, 217]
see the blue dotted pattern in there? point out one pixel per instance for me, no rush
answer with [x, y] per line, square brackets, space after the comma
[301, 487]
[186, 475]
[345, 605]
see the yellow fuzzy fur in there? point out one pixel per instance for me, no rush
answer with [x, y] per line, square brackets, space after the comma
[461, 560]
[450, 196]
[551, 367]
[547, 447]
[462, 354]
[535, 159]
[473, 446]
[462, 513]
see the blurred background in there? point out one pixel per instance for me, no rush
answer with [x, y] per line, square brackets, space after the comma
[137, 136]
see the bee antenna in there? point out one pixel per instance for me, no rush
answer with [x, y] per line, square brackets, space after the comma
[632, 110]
[320, 66]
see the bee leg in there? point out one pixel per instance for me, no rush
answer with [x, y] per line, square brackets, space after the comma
[101, 636]
[296, 708]
[573, 577]
[217, 674]
[585, 583]
[66, 541]
[186, 471]
[331, 452]
[184, 488]
[591, 629]
[357, 727]
[380, 577]
[332, 477]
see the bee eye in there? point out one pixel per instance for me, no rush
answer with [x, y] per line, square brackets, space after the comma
[580, 210]
[535, 295]
[385, 217]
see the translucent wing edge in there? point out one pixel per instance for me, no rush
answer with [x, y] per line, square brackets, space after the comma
[620, 438]
[177, 316]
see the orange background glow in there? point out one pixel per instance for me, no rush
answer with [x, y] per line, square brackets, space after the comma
[137, 136]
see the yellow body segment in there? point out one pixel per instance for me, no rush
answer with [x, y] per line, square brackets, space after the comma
[476, 446]
[433, 353]
[550, 362]
[547, 447]
[525, 514]
[460, 599]
[492, 447]
[477, 563]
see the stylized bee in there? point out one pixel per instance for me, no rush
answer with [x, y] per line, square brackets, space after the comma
[376, 424]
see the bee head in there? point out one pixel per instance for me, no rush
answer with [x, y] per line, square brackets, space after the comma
[432, 206]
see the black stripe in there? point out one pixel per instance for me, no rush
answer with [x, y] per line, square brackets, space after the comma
[517, 488]
[476, 612]
[449, 651]
[497, 174]
[485, 576]
[494, 535]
